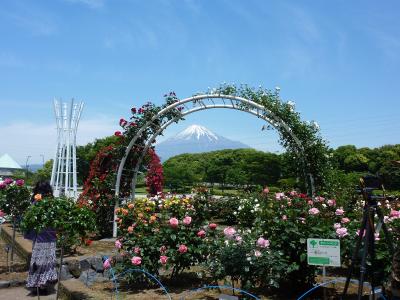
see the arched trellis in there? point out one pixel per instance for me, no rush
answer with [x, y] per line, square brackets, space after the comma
[199, 103]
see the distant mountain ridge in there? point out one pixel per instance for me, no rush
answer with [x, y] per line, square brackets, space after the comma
[195, 139]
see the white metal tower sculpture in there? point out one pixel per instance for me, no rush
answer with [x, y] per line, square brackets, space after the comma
[63, 175]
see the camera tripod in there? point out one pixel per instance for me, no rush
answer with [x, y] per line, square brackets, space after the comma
[367, 234]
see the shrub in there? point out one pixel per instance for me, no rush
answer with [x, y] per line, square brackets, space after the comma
[72, 222]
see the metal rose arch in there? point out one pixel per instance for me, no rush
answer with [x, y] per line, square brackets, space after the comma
[297, 137]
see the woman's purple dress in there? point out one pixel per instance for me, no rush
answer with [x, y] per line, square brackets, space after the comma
[42, 269]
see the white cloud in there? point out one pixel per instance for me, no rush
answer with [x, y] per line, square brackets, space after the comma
[23, 138]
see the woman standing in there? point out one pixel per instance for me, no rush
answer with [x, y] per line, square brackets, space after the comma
[42, 270]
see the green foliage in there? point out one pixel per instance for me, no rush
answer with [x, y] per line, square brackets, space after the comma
[72, 222]
[238, 167]
[376, 161]
[225, 209]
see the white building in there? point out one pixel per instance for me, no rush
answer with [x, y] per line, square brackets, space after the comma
[8, 165]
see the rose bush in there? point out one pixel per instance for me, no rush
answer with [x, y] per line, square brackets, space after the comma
[249, 259]
[165, 232]
[14, 197]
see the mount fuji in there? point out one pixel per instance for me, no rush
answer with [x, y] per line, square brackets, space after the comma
[195, 139]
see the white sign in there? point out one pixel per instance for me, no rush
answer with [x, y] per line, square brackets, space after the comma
[323, 252]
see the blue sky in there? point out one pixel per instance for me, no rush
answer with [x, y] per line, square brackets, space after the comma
[338, 60]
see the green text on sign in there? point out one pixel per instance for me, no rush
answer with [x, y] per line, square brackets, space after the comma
[318, 260]
[329, 243]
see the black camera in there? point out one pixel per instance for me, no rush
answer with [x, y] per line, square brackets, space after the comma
[368, 184]
[371, 182]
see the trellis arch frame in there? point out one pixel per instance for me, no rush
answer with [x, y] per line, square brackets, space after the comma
[275, 121]
[235, 102]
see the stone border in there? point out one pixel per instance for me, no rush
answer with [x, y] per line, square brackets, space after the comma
[74, 289]
[11, 283]
[23, 247]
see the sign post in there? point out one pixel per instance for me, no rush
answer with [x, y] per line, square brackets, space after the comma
[323, 252]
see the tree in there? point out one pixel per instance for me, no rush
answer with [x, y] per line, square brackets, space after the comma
[86, 153]
[356, 162]
[45, 172]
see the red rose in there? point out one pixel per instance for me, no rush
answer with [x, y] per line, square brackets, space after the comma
[212, 226]
[123, 122]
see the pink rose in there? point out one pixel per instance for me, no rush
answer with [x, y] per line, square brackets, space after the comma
[263, 243]
[212, 226]
[118, 244]
[257, 253]
[284, 217]
[341, 232]
[239, 239]
[173, 222]
[337, 225]
[20, 182]
[118, 133]
[8, 181]
[319, 199]
[229, 231]
[163, 259]
[394, 214]
[293, 193]
[130, 229]
[313, 211]
[163, 249]
[201, 234]
[136, 260]
[182, 249]
[279, 196]
[187, 220]
[331, 202]
[136, 250]
[107, 264]
[345, 220]
[266, 190]
[310, 202]
[339, 212]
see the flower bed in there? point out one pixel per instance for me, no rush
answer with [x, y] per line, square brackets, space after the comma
[266, 249]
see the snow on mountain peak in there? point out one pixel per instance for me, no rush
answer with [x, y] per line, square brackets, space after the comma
[196, 131]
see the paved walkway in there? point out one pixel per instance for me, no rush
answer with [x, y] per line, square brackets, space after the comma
[20, 293]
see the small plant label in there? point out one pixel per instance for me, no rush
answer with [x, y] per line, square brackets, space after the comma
[323, 252]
